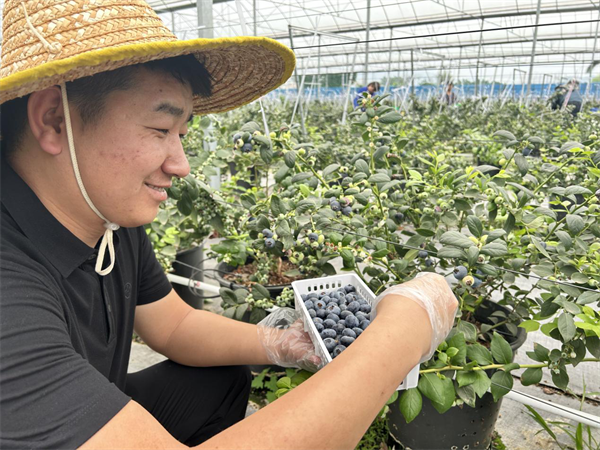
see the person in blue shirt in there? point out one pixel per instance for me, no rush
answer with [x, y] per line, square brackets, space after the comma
[371, 89]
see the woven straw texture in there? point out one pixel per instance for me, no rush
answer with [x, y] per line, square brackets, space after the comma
[86, 37]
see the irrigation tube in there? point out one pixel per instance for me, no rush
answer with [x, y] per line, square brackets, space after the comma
[206, 287]
[559, 410]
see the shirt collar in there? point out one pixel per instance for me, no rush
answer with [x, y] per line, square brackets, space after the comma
[62, 248]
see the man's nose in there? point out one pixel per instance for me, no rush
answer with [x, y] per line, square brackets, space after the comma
[176, 163]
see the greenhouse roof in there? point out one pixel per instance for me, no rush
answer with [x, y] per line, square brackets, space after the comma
[376, 37]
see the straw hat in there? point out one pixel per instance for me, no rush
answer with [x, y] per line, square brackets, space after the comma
[48, 42]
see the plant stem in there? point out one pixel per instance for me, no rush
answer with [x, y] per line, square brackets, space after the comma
[497, 366]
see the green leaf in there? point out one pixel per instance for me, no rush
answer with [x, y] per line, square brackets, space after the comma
[540, 420]
[467, 394]
[502, 383]
[566, 326]
[391, 117]
[301, 176]
[331, 168]
[450, 252]
[290, 159]
[266, 154]
[501, 350]
[593, 345]
[522, 163]
[465, 378]
[479, 354]
[575, 223]
[530, 325]
[475, 226]
[228, 296]
[240, 311]
[278, 206]
[531, 376]
[362, 166]
[260, 292]
[561, 379]
[505, 134]
[411, 404]
[469, 330]
[257, 315]
[456, 239]
[495, 249]
[588, 297]
[458, 341]
[564, 238]
[440, 392]
[281, 173]
[573, 190]
[482, 383]
[379, 178]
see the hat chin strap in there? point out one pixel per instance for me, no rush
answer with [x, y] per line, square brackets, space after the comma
[107, 239]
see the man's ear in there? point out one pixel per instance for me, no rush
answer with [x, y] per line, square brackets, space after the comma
[46, 119]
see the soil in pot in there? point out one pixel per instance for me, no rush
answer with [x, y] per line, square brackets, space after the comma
[239, 277]
[461, 426]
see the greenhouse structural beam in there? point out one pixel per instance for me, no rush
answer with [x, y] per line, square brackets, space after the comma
[368, 37]
[535, 33]
[475, 44]
[593, 53]
[486, 17]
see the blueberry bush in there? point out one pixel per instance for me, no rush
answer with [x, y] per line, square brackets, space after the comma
[503, 201]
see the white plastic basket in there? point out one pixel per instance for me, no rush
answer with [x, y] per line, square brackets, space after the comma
[328, 284]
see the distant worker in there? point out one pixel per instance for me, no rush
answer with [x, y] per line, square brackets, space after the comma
[568, 96]
[371, 89]
[449, 97]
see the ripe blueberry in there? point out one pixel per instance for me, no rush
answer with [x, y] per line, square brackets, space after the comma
[313, 237]
[353, 307]
[335, 206]
[339, 349]
[364, 324]
[460, 272]
[349, 332]
[349, 288]
[347, 210]
[327, 333]
[319, 327]
[269, 234]
[345, 314]
[321, 313]
[330, 344]
[423, 254]
[320, 304]
[333, 317]
[346, 340]
[309, 304]
[312, 313]
[247, 147]
[351, 322]
[269, 242]
[357, 330]
[329, 323]
[365, 308]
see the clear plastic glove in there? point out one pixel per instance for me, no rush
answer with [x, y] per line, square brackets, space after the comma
[287, 344]
[432, 292]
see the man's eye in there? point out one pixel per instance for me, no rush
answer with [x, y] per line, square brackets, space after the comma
[162, 131]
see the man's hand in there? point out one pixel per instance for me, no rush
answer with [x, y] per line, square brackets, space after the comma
[432, 293]
[287, 347]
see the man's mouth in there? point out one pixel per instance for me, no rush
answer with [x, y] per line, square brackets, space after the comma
[156, 188]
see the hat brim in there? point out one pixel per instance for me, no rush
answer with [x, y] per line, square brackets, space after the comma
[243, 69]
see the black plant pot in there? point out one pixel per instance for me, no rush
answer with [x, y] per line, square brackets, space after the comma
[224, 268]
[460, 426]
[191, 257]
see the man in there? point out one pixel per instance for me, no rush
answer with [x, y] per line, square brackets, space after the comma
[449, 97]
[568, 96]
[92, 115]
[371, 88]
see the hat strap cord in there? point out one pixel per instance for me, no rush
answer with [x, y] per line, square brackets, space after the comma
[107, 239]
[52, 48]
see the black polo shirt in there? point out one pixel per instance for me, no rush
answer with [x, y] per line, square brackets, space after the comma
[66, 331]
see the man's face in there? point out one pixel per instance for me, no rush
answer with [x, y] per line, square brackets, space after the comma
[371, 89]
[129, 156]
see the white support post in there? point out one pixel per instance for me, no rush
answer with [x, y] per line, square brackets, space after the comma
[533, 45]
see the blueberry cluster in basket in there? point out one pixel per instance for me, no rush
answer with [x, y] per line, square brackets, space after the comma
[340, 316]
